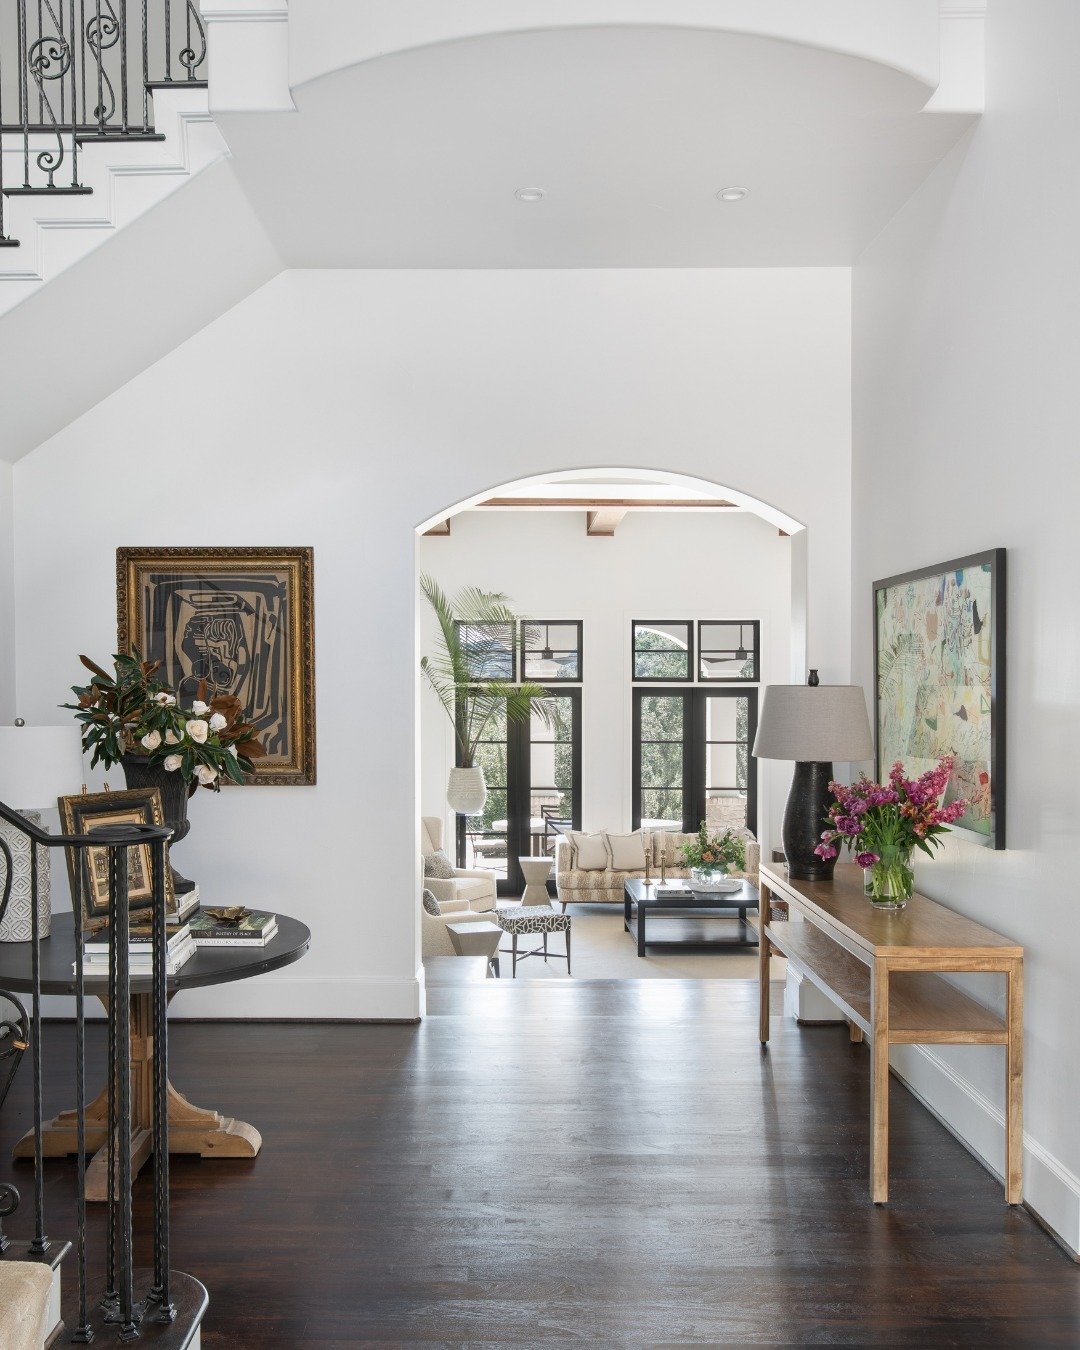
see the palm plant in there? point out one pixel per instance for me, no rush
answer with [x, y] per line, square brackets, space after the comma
[479, 634]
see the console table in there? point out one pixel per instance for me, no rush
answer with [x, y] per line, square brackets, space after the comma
[883, 971]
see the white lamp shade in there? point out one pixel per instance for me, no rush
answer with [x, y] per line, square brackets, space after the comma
[811, 723]
[39, 764]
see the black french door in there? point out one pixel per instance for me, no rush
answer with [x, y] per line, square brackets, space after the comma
[533, 774]
[691, 758]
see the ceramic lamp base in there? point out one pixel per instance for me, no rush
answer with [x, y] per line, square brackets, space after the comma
[17, 925]
[805, 818]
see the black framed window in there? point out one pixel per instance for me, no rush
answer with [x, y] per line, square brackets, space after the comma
[691, 759]
[729, 649]
[551, 650]
[490, 649]
[663, 649]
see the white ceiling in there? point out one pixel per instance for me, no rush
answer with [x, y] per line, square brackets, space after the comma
[412, 160]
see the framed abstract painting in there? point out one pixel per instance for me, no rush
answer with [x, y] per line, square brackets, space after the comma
[939, 677]
[242, 619]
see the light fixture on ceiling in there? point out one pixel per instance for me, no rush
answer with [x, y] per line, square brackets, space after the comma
[546, 668]
[732, 194]
[741, 654]
[529, 194]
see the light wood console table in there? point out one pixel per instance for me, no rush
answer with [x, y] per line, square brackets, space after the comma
[883, 970]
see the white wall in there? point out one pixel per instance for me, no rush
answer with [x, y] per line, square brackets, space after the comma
[342, 409]
[967, 347]
[660, 565]
[7, 595]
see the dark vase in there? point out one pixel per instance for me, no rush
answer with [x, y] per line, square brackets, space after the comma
[140, 773]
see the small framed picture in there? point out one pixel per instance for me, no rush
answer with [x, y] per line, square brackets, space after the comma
[80, 815]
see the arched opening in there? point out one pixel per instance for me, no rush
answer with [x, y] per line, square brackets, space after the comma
[662, 603]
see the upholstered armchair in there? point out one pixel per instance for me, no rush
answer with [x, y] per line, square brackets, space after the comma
[475, 887]
[434, 939]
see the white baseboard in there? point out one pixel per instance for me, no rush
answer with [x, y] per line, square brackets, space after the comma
[1051, 1191]
[321, 998]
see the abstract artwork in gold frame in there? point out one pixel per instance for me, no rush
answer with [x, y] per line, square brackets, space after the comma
[81, 814]
[242, 619]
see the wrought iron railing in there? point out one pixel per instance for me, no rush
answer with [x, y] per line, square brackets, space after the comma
[117, 1309]
[73, 71]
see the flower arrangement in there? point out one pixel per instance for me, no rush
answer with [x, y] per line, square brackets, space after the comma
[883, 823]
[714, 850]
[132, 712]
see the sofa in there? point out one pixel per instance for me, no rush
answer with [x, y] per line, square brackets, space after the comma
[475, 885]
[594, 884]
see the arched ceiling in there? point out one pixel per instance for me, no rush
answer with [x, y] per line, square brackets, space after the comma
[413, 159]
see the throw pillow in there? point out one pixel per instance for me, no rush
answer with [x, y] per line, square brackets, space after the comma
[438, 865]
[591, 850]
[627, 852]
[431, 904]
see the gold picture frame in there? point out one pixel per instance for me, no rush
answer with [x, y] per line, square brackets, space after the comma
[79, 815]
[242, 619]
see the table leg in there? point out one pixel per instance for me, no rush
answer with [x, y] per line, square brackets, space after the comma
[640, 929]
[192, 1129]
[1014, 1086]
[764, 948]
[879, 1082]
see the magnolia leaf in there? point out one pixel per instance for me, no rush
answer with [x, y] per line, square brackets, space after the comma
[95, 668]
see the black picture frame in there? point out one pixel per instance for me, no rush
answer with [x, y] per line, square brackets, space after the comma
[993, 561]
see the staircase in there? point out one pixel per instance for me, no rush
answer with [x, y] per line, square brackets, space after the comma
[103, 114]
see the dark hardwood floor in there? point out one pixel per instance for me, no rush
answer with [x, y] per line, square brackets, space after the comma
[608, 1163]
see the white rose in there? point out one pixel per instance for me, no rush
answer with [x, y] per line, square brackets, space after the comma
[205, 774]
[173, 762]
[199, 707]
[171, 738]
[197, 730]
[218, 722]
[232, 750]
[151, 740]
[166, 700]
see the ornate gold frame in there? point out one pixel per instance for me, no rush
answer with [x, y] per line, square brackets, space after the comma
[133, 564]
[145, 803]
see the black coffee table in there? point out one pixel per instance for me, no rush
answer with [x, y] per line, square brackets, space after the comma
[192, 1129]
[640, 900]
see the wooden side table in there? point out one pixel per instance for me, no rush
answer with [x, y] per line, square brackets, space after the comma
[883, 971]
[536, 872]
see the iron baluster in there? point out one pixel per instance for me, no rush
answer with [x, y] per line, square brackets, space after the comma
[168, 39]
[71, 71]
[145, 72]
[188, 57]
[120, 1007]
[110, 1298]
[160, 1293]
[9, 1203]
[83, 1332]
[40, 1244]
[24, 92]
[82, 64]
[124, 127]
[40, 35]
[49, 59]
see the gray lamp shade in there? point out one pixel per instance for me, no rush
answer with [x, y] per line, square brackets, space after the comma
[809, 723]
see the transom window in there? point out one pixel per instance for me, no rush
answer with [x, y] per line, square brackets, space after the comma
[490, 650]
[729, 649]
[663, 649]
[551, 650]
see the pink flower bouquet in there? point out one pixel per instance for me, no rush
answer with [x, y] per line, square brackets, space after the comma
[882, 823]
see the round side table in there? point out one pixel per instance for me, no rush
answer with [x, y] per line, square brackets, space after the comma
[536, 872]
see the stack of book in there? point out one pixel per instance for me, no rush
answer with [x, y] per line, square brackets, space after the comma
[255, 929]
[179, 949]
[184, 904]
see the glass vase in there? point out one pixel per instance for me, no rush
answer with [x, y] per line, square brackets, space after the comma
[708, 874]
[890, 882]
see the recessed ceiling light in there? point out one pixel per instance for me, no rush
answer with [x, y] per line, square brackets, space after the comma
[529, 194]
[733, 194]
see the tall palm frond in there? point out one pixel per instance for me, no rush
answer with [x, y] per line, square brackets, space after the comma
[460, 671]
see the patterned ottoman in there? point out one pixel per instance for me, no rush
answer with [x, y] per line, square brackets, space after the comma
[534, 919]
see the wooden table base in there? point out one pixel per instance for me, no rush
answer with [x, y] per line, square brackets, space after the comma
[192, 1129]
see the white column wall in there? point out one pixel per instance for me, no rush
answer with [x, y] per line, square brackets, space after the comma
[967, 346]
[342, 409]
[660, 565]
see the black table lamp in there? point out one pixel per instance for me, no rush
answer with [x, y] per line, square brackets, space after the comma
[814, 725]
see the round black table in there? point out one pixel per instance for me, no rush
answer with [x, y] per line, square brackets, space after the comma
[192, 1129]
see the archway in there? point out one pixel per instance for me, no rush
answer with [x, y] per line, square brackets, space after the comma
[565, 492]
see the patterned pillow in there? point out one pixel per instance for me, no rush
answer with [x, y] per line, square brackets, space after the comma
[431, 904]
[438, 865]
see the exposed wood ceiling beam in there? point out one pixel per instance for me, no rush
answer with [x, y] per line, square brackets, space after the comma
[443, 528]
[602, 524]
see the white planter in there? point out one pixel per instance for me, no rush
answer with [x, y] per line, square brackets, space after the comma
[467, 791]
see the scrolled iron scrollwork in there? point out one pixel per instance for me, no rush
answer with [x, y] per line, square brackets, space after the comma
[103, 30]
[189, 58]
[49, 58]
